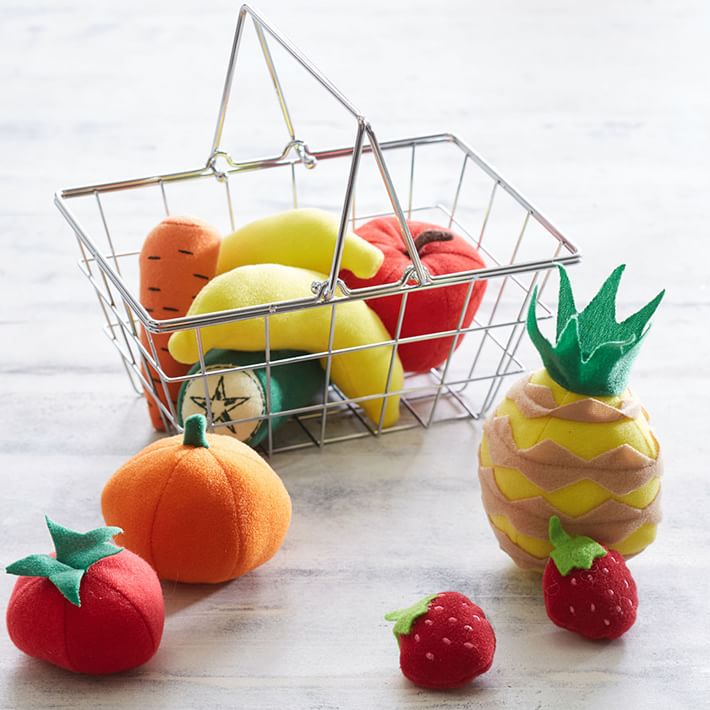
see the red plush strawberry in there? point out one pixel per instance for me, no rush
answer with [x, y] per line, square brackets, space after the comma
[588, 589]
[93, 608]
[445, 640]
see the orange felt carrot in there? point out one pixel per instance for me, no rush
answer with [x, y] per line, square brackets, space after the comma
[178, 258]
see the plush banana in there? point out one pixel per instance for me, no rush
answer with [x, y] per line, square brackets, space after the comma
[302, 237]
[358, 374]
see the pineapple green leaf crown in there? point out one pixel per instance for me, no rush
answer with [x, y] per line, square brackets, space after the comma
[593, 353]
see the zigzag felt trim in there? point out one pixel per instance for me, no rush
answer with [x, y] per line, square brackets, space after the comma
[524, 559]
[535, 400]
[608, 523]
[551, 467]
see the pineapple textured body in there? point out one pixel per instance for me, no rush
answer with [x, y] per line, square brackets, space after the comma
[591, 460]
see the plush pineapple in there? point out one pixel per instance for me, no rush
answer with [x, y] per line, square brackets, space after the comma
[572, 440]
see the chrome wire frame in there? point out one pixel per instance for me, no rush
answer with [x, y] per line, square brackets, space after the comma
[125, 315]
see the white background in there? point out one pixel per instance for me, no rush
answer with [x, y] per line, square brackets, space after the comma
[598, 111]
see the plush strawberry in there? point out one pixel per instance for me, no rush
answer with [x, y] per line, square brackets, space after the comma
[588, 589]
[91, 608]
[444, 640]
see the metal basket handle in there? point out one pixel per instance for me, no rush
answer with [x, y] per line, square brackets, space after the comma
[327, 289]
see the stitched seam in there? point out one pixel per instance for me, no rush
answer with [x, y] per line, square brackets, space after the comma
[235, 518]
[157, 506]
[64, 634]
[134, 607]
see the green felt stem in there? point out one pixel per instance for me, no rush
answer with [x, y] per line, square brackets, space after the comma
[571, 552]
[195, 429]
[405, 618]
[592, 353]
[75, 553]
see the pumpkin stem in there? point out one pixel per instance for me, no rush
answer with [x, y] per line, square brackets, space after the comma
[431, 235]
[195, 428]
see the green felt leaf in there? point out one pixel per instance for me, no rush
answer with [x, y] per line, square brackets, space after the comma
[570, 552]
[195, 430]
[566, 307]
[593, 353]
[75, 553]
[405, 618]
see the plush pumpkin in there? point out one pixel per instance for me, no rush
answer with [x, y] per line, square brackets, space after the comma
[199, 507]
[572, 440]
[433, 310]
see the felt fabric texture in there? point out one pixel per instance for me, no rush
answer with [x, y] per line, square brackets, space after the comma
[242, 394]
[541, 400]
[198, 514]
[570, 552]
[588, 589]
[118, 626]
[75, 553]
[178, 257]
[552, 467]
[593, 353]
[445, 641]
[611, 522]
[195, 433]
[575, 500]
[593, 461]
[431, 311]
[304, 237]
[361, 373]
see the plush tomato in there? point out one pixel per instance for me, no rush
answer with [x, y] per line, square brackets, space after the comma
[91, 608]
[430, 311]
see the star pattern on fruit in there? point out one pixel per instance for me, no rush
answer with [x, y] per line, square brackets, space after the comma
[220, 404]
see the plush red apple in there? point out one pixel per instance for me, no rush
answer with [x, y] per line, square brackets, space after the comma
[431, 311]
[91, 608]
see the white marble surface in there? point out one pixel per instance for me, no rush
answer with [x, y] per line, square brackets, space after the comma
[599, 111]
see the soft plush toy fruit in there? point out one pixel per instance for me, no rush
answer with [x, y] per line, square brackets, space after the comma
[199, 507]
[91, 608]
[178, 258]
[360, 373]
[240, 395]
[302, 237]
[445, 640]
[430, 311]
[572, 440]
[588, 589]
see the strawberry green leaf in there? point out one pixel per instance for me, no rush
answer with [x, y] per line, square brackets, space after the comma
[75, 553]
[405, 618]
[572, 552]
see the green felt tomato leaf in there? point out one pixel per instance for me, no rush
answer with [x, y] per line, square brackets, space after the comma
[75, 553]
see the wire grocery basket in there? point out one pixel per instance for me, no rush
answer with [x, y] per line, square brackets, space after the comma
[433, 178]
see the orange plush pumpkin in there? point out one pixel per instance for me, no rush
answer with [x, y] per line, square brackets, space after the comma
[198, 508]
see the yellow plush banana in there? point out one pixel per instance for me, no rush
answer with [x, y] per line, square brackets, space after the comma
[301, 237]
[358, 374]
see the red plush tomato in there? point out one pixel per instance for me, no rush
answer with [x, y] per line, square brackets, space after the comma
[93, 608]
[430, 311]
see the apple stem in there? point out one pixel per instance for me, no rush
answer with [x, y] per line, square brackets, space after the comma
[429, 236]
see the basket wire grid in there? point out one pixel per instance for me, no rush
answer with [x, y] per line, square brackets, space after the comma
[518, 257]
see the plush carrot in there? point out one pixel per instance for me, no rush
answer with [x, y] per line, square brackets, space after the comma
[178, 258]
